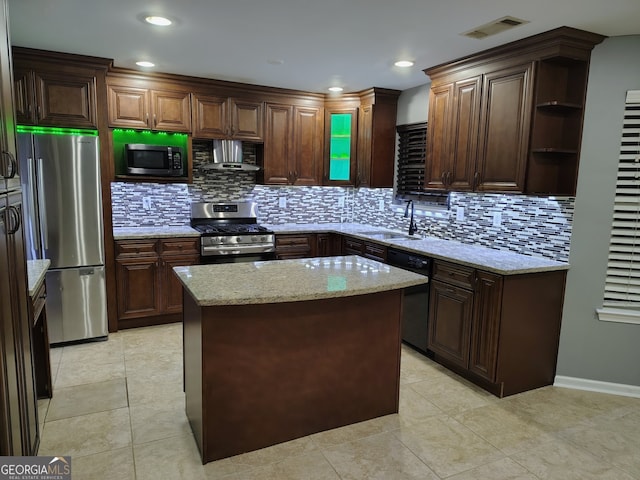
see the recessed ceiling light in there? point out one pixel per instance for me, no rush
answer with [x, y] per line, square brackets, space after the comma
[144, 63]
[404, 63]
[158, 21]
[336, 89]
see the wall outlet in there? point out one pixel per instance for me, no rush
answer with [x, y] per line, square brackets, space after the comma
[146, 203]
[497, 219]
[282, 202]
[381, 205]
[341, 201]
[460, 214]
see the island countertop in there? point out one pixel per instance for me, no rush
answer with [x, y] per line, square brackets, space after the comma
[297, 280]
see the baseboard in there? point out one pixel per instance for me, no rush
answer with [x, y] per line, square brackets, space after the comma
[597, 386]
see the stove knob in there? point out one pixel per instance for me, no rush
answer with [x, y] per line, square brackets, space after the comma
[254, 238]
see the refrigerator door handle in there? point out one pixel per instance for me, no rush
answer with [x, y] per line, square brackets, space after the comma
[34, 231]
[40, 195]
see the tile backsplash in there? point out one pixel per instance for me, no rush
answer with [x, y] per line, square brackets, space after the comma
[538, 226]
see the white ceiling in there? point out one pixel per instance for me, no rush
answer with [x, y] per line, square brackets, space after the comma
[351, 43]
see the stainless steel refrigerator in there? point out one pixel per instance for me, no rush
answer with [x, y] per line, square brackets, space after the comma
[63, 205]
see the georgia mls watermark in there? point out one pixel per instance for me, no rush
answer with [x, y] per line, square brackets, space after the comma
[35, 468]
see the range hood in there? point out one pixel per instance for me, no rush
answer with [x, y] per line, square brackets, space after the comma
[227, 156]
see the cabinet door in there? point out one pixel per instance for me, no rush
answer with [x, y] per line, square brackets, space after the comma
[277, 144]
[171, 111]
[10, 416]
[450, 322]
[365, 131]
[308, 144]
[438, 136]
[486, 325]
[65, 100]
[21, 325]
[340, 146]
[246, 119]
[24, 97]
[137, 287]
[171, 287]
[328, 244]
[504, 129]
[209, 116]
[128, 107]
[464, 134]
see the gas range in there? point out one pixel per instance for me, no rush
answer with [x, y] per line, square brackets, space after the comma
[229, 232]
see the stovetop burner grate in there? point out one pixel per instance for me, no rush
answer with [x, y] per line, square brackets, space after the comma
[230, 229]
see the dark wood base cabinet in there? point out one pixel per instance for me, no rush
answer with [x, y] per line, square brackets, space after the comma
[19, 430]
[148, 291]
[501, 332]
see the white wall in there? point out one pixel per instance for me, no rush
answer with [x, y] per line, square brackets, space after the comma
[590, 349]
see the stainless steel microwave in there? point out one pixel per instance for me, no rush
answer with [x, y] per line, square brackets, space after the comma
[156, 160]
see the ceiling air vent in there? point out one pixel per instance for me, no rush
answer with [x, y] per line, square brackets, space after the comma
[491, 28]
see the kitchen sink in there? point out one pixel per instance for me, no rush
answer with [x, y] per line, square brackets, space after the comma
[389, 236]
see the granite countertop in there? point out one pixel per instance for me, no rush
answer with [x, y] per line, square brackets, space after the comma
[484, 258]
[488, 259]
[278, 281]
[36, 270]
[132, 233]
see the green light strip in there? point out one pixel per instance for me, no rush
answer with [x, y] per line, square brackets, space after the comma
[55, 130]
[149, 132]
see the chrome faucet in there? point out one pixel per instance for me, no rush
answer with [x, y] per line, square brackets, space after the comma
[413, 228]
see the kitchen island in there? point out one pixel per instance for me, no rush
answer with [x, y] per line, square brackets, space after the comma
[277, 350]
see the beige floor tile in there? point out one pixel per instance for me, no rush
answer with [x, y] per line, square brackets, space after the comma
[274, 453]
[356, 431]
[162, 337]
[453, 395]
[153, 363]
[87, 434]
[504, 469]
[153, 388]
[175, 458]
[504, 429]
[108, 351]
[559, 460]
[43, 407]
[415, 367]
[414, 408]
[616, 440]
[80, 373]
[88, 398]
[446, 446]
[311, 466]
[114, 464]
[55, 354]
[379, 457]
[151, 422]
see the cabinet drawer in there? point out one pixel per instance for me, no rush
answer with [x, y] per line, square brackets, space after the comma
[133, 248]
[352, 246]
[454, 274]
[180, 246]
[293, 242]
[375, 251]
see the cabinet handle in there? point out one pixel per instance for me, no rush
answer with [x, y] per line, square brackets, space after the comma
[37, 113]
[476, 180]
[11, 167]
[443, 179]
[448, 179]
[155, 120]
[15, 214]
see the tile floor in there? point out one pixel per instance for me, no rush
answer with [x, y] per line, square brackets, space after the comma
[118, 410]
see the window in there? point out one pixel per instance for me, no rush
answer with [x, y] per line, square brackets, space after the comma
[622, 288]
[412, 152]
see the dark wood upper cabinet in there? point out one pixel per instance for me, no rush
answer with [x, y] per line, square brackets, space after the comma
[141, 108]
[504, 129]
[222, 117]
[510, 118]
[293, 144]
[60, 97]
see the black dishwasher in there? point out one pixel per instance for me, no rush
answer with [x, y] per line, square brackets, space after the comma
[416, 299]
